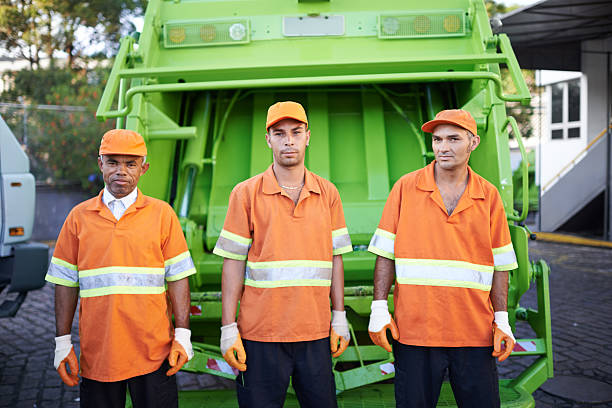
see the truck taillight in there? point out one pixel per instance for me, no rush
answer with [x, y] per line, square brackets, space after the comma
[178, 34]
[16, 231]
[430, 24]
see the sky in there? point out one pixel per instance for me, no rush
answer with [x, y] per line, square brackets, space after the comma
[520, 2]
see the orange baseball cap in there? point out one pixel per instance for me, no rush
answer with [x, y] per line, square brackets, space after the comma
[457, 117]
[122, 141]
[285, 110]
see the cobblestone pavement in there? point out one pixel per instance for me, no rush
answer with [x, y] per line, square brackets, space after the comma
[581, 304]
[581, 298]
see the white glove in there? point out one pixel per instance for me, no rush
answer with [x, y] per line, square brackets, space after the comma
[183, 337]
[63, 345]
[380, 316]
[229, 335]
[340, 324]
[501, 320]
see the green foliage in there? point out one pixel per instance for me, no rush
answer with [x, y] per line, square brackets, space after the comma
[494, 8]
[521, 113]
[31, 27]
[62, 142]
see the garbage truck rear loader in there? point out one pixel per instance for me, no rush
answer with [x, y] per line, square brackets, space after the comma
[197, 84]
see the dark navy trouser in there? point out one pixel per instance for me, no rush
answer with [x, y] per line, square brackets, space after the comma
[153, 390]
[419, 373]
[270, 364]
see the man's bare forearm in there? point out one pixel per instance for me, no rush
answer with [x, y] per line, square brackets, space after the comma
[384, 274]
[337, 283]
[180, 297]
[66, 299]
[232, 284]
[499, 291]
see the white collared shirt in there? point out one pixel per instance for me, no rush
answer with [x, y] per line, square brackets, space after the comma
[118, 205]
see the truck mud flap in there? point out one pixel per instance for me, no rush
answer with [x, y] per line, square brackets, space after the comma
[26, 268]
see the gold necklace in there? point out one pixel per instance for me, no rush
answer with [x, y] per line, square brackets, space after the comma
[292, 187]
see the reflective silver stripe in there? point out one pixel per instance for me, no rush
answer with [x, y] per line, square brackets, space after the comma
[288, 273]
[384, 241]
[121, 279]
[62, 272]
[505, 258]
[341, 241]
[232, 247]
[179, 267]
[443, 273]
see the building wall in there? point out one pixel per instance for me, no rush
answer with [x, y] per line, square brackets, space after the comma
[552, 155]
[594, 68]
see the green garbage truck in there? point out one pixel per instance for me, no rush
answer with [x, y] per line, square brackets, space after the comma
[198, 80]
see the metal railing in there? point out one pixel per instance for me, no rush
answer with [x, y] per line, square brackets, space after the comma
[573, 162]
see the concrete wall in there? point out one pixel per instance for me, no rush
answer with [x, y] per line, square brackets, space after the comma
[52, 208]
[594, 67]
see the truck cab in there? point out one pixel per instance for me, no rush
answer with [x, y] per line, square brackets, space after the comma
[22, 263]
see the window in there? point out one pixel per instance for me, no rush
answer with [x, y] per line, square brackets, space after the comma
[557, 103]
[565, 106]
[557, 134]
[573, 132]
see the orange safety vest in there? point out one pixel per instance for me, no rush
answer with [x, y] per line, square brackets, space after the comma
[444, 265]
[289, 250]
[120, 268]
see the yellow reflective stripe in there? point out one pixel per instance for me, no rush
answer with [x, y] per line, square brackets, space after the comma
[63, 263]
[338, 232]
[230, 255]
[380, 252]
[121, 269]
[441, 282]
[505, 248]
[177, 258]
[181, 275]
[123, 290]
[289, 264]
[61, 281]
[384, 233]
[508, 267]
[343, 250]
[445, 263]
[287, 283]
[235, 237]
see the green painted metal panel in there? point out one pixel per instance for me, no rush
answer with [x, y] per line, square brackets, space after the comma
[375, 146]
[318, 149]
[261, 154]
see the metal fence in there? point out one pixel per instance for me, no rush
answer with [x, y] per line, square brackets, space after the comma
[61, 142]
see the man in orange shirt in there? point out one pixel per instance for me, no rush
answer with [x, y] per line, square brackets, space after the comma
[443, 235]
[283, 240]
[117, 251]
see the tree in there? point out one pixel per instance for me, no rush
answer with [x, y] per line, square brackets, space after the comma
[62, 141]
[494, 8]
[22, 29]
[29, 28]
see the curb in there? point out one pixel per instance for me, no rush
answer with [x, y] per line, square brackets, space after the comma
[572, 239]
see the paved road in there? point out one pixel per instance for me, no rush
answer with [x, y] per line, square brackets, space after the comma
[581, 298]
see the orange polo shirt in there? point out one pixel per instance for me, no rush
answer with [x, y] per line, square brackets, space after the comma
[289, 250]
[120, 268]
[444, 265]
